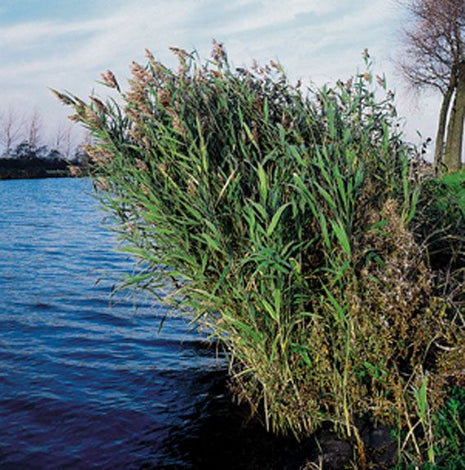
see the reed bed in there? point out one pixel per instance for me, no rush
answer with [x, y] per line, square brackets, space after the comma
[286, 221]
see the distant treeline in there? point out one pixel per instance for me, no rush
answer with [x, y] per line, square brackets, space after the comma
[28, 161]
[29, 150]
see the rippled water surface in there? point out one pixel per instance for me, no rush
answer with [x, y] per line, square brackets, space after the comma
[86, 380]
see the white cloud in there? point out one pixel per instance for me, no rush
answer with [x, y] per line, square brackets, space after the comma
[269, 14]
[315, 39]
[65, 52]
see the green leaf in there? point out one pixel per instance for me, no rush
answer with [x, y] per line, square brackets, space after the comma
[266, 111]
[324, 231]
[326, 196]
[269, 308]
[341, 236]
[338, 308]
[277, 300]
[275, 219]
[263, 183]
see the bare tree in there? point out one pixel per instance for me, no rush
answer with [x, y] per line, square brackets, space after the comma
[64, 139]
[434, 58]
[33, 129]
[11, 126]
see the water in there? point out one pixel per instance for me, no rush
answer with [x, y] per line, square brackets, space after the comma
[85, 378]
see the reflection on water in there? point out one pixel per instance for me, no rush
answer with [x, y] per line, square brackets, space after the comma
[85, 377]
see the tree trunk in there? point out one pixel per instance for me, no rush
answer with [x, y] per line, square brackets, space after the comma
[453, 152]
[441, 134]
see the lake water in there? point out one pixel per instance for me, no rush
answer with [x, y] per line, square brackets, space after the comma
[86, 380]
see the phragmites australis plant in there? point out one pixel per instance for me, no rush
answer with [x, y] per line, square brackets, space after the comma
[283, 220]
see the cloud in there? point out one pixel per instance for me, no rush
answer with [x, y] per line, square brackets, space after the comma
[314, 39]
[267, 15]
[50, 50]
[23, 34]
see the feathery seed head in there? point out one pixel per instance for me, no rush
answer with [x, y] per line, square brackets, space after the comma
[218, 53]
[150, 57]
[109, 79]
[98, 103]
[63, 98]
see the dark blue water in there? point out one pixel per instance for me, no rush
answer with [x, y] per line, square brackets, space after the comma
[86, 380]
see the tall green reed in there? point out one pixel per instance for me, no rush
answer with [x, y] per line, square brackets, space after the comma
[280, 217]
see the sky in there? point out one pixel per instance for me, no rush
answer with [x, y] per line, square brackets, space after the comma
[66, 44]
